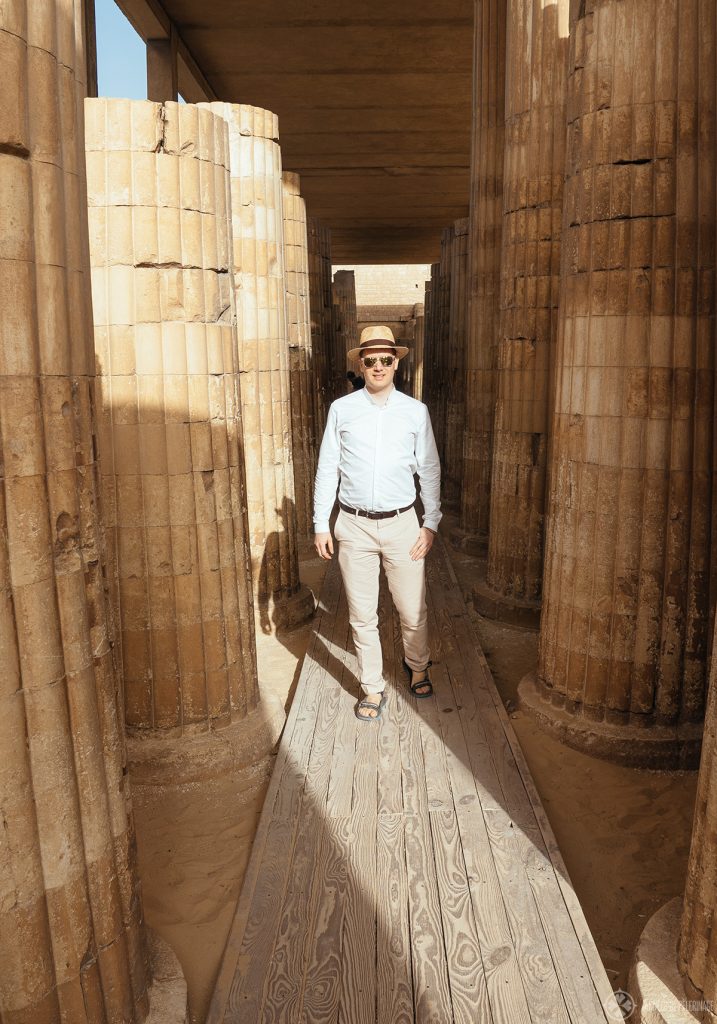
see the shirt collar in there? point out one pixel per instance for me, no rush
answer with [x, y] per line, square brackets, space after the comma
[374, 402]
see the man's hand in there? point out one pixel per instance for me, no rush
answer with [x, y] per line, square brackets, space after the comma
[324, 544]
[423, 545]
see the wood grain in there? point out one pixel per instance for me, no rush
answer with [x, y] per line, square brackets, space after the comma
[404, 871]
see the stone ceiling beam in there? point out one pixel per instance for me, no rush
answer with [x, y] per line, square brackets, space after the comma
[150, 20]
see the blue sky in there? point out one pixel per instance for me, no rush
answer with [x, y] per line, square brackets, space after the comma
[121, 64]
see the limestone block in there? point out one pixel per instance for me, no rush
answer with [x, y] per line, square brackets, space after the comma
[534, 167]
[263, 360]
[626, 606]
[72, 942]
[171, 447]
[485, 235]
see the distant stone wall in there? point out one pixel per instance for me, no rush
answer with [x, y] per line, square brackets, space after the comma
[386, 285]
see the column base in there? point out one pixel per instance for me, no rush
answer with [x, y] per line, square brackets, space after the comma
[284, 611]
[474, 544]
[168, 991]
[655, 985]
[493, 605]
[239, 749]
[635, 744]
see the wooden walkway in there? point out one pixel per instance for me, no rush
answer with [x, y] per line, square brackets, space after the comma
[405, 870]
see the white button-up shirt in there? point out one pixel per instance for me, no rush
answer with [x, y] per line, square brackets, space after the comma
[371, 451]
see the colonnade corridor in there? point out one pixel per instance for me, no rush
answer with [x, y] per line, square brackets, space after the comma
[405, 870]
[195, 828]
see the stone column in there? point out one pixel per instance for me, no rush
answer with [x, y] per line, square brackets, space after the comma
[72, 942]
[320, 307]
[628, 541]
[170, 444]
[673, 977]
[296, 269]
[533, 177]
[430, 340]
[439, 369]
[485, 233]
[417, 353]
[345, 327]
[452, 470]
[281, 600]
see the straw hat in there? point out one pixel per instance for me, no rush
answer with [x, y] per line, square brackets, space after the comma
[377, 337]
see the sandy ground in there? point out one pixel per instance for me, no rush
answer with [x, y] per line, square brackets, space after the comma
[624, 833]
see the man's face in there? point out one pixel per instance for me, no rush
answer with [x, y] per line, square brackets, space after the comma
[378, 376]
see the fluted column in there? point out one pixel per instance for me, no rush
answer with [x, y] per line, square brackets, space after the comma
[485, 232]
[533, 177]
[72, 944]
[430, 339]
[256, 186]
[419, 313]
[165, 332]
[452, 473]
[345, 328]
[296, 269]
[320, 307]
[441, 298]
[622, 657]
[696, 953]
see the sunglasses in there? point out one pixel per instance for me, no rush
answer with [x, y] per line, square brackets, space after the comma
[370, 361]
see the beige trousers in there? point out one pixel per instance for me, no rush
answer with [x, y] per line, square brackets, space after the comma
[363, 543]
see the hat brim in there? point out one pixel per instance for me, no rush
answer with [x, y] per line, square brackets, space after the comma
[356, 353]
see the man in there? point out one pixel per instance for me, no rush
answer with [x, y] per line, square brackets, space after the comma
[374, 442]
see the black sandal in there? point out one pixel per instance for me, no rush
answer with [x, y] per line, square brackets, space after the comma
[378, 708]
[422, 682]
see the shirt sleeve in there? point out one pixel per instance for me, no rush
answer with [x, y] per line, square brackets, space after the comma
[327, 473]
[428, 468]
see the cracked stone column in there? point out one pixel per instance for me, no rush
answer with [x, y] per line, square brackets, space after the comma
[452, 470]
[72, 937]
[296, 269]
[282, 601]
[170, 443]
[626, 604]
[485, 233]
[533, 177]
[320, 307]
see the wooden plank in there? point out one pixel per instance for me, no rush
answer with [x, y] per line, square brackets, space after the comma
[413, 774]
[394, 997]
[358, 951]
[431, 994]
[469, 995]
[283, 987]
[584, 979]
[390, 796]
[262, 895]
[538, 970]
[502, 974]
[275, 828]
[321, 984]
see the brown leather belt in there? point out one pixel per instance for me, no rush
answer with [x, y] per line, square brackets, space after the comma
[374, 515]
